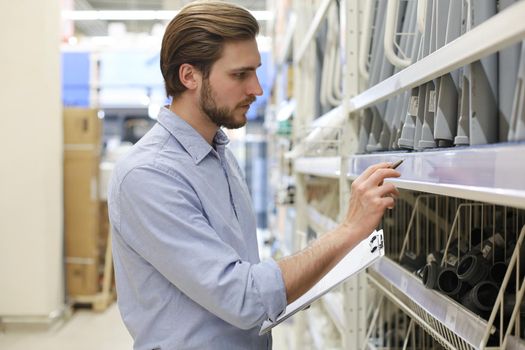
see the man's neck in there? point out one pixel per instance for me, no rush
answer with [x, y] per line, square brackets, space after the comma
[190, 112]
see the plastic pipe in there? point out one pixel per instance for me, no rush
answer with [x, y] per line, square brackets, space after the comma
[390, 36]
[481, 298]
[318, 18]
[473, 268]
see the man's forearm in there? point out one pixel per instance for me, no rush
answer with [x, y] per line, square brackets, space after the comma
[304, 269]
[370, 197]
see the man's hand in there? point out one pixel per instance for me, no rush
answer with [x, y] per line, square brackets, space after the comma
[369, 198]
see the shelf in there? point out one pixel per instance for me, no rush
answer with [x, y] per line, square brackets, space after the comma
[315, 327]
[332, 303]
[312, 30]
[320, 222]
[489, 37]
[322, 128]
[491, 173]
[319, 166]
[322, 148]
[428, 305]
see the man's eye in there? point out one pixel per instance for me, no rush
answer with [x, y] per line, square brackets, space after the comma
[240, 75]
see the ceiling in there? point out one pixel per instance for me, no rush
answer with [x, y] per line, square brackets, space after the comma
[163, 4]
[100, 28]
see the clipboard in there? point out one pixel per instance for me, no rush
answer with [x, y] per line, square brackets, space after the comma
[363, 255]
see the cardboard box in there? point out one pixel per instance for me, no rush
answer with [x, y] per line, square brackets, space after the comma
[104, 227]
[82, 276]
[82, 141]
[82, 126]
[81, 203]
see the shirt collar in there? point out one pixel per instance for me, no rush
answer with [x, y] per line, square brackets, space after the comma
[193, 142]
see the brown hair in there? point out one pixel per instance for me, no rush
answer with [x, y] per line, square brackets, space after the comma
[196, 36]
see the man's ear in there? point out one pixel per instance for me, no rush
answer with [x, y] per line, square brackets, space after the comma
[189, 76]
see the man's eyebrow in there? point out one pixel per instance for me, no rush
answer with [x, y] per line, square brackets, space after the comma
[246, 68]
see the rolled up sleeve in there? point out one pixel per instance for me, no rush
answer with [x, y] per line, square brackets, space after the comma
[270, 285]
[166, 225]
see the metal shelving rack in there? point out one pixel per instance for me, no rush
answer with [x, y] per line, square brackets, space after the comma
[452, 172]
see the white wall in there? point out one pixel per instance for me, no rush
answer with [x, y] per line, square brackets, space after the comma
[31, 281]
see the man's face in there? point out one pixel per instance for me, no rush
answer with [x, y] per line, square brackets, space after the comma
[232, 85]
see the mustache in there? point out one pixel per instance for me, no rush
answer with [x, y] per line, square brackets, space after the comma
[247, 101]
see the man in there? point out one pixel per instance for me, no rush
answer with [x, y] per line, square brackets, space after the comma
[186, 260]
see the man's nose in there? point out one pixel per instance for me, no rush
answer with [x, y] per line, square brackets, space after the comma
[255, 87]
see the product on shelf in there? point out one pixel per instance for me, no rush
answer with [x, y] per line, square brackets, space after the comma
[497, 272]
[430, 274]
[449, 283]
[412, 261]
[481, 298]
[492, 248]
[473, 268]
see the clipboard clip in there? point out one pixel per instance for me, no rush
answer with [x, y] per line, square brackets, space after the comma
[376, 242]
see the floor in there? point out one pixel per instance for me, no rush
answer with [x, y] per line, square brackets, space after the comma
[87, 330]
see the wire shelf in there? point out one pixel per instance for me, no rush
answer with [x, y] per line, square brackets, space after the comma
[448, 322]
[389, 327]
[327, 146]
[322, 197]
[484, 307]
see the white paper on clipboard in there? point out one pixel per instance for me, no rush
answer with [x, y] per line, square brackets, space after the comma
[363, 255]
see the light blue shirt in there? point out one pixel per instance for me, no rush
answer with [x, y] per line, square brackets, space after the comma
[187, 266]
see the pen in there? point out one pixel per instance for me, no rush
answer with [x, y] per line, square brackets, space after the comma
[396, 164]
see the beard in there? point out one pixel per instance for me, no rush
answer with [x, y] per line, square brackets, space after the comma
[220, 116]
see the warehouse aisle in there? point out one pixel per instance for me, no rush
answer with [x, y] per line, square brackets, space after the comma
[86, 330]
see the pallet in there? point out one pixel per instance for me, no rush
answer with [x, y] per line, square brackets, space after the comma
[103, 299]
[97, 302]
